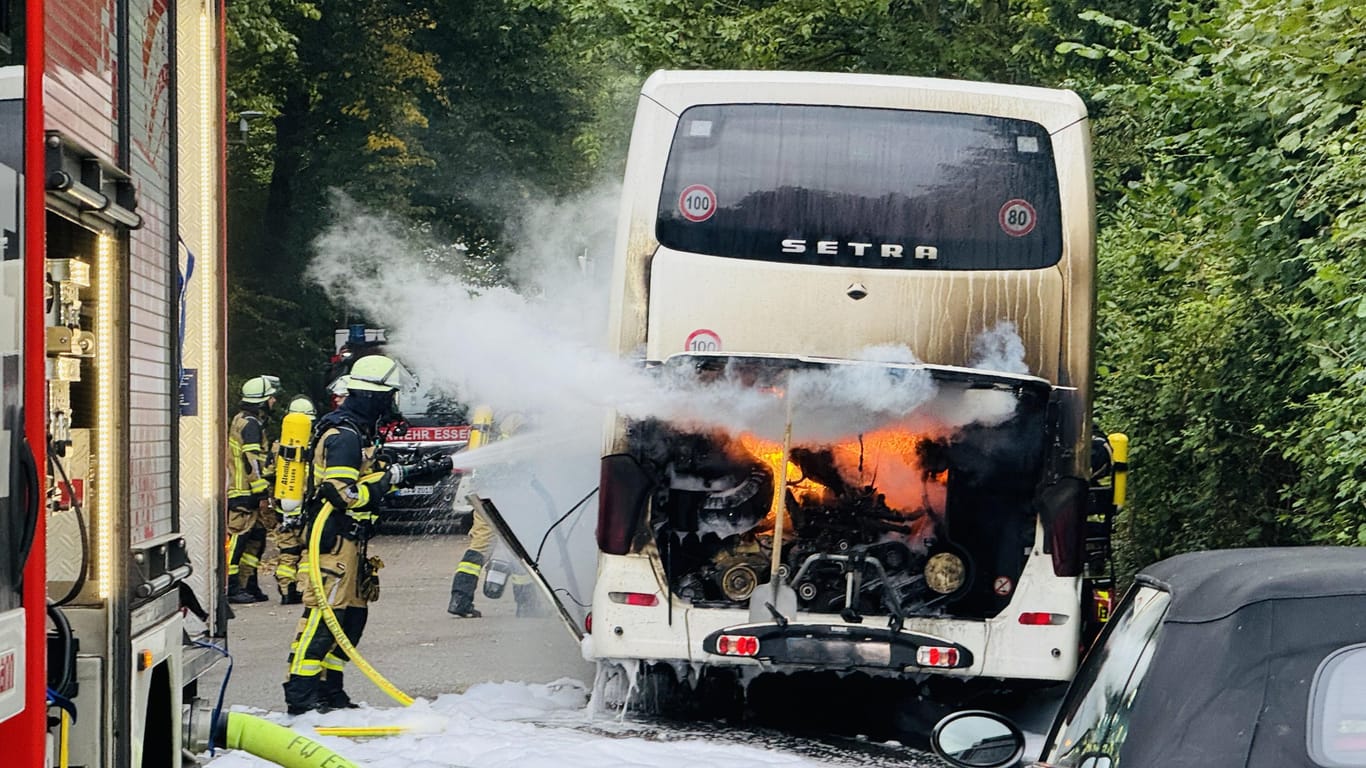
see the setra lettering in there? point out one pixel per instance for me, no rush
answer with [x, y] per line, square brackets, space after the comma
[859, 249]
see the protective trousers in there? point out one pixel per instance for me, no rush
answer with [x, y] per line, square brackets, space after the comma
[316, 664]
[289, 540]
[246, 540]
[466, 578]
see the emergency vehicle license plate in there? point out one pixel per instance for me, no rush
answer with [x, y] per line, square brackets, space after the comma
[416, 490]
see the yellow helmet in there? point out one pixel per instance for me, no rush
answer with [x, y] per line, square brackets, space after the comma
[260, 389]
[302, 404]
[375, 373]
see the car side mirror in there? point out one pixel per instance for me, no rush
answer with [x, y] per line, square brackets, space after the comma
[977, 739]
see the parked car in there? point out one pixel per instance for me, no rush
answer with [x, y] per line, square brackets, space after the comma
[1253, 658]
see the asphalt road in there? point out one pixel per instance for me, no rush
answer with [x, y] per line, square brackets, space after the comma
[410, 638]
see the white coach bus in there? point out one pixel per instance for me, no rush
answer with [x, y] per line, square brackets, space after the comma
[815, 239]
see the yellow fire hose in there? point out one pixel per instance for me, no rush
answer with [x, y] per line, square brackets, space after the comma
[278, 744]
[360, 731]
[330, 617]
[64, 750]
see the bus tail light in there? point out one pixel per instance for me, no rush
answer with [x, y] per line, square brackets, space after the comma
[737, 645]
[623, 488]
[588, 623]
[634, 598]
[1038, 619]
[936, 656]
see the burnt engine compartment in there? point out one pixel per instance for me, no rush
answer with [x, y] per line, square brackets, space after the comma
[930, 532]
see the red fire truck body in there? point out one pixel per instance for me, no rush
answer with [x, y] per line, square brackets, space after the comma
[111, 369]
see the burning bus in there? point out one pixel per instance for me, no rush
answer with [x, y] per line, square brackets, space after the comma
[874, 299]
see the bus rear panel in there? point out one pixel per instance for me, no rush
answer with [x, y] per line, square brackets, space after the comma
[902, 270]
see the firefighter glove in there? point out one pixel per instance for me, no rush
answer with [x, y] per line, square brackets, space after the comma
[368, 586]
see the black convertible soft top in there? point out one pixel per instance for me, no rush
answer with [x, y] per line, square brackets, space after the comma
[1206, 586]
[1244, 635]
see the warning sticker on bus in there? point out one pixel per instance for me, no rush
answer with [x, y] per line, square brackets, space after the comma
[1003, 586]
[1017, 217]
[697, 203]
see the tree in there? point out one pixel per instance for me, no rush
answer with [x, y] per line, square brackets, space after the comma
[1228, 325]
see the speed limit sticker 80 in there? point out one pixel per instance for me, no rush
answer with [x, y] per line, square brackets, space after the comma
[697, 203]
[1017, 217]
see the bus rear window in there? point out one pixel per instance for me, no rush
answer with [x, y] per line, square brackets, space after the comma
[861, 187]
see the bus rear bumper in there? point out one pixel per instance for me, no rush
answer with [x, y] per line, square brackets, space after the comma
[837, 645]
[1004, 647]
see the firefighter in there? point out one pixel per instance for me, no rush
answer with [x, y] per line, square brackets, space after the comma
[249, 505]
[345, 481]
[480, 546]
[288, 535]
[481, 542]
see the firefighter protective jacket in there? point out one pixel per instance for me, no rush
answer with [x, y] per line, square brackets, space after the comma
[343, 470]
[246, 439]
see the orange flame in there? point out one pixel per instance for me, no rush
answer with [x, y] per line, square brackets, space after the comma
[803, 488]
[887, 459]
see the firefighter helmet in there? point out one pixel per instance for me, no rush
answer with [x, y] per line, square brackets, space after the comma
[302, 404]
[375, 373]
[259, 389]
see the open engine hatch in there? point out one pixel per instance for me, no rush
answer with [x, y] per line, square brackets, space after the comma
[908, 489]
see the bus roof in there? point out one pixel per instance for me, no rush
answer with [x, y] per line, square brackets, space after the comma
[676, 90]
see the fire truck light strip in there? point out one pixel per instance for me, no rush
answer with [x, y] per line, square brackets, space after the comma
[106, 476]
[209, 275]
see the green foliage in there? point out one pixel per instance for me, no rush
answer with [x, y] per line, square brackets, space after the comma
[442, 114]
[925, 37]
[1231, 256]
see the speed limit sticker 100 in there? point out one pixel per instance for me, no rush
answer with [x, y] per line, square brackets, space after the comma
[697, 203]
[1017, 217]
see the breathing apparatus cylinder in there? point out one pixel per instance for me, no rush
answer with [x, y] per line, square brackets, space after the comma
[1119, 453]
[481, 427]
[291, 465]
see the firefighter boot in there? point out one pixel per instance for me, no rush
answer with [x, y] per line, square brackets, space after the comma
[254, 590]
[289, 594]
[462, 602]
[301, 693]
[237, 592]
[331, 694]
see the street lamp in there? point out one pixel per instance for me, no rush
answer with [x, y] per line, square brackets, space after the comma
[244, 119]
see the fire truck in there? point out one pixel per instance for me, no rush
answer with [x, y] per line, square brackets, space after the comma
[111, 376]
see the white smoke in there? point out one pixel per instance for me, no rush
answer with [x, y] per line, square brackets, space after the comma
[999, 348]
[540, 350]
